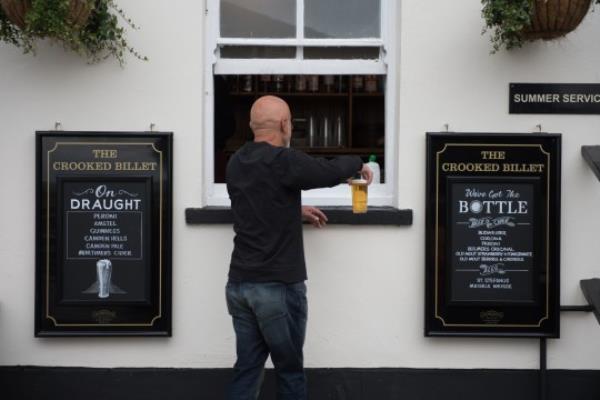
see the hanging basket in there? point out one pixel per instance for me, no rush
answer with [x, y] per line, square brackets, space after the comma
[551, 19]
[16, 10]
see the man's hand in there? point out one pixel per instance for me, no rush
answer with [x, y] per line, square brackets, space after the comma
[365, 173]
[314, 216]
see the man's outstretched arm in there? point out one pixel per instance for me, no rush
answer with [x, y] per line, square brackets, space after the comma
[301, 171]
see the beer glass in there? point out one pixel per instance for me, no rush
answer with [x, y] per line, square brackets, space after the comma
[359, 195]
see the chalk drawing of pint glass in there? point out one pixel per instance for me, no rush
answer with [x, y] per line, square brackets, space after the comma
[103, 285]
[104, 271]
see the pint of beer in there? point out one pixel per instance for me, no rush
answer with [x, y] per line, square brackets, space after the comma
[359, 195]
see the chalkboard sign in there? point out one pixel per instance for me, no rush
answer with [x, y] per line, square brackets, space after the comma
[492, 240]
[492, 234]
[104, 234]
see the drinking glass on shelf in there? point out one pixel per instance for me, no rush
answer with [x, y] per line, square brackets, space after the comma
[266, 82]
[278, 83]
[313, 83]
[326, 131]
[247, 84]
[299, 136]
[329, 81]
[338, 131]
[301, 83]
[289, 83]
[357, 83]
[371, 83]
[311, 131]
[341, 84]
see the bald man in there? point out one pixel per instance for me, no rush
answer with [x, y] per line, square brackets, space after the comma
[266, 291]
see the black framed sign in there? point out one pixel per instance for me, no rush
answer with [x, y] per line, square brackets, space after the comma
[554, 98]
[493, 234]
[103, 219]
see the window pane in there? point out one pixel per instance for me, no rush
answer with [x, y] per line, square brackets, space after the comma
[341, 53]
[342, 19]
[258, 18]
[331, 114]
[257, 52]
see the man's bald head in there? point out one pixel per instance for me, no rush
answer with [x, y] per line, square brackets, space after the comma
[270, 116]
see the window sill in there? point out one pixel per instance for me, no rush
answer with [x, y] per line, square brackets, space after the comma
[337, 215]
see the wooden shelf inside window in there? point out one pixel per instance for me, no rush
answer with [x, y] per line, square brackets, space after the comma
[308, 94]
[376, 94]
[244, 94]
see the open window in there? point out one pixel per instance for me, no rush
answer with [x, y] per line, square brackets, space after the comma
[331, 60]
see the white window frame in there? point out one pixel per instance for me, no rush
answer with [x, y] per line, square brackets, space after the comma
[215, 194]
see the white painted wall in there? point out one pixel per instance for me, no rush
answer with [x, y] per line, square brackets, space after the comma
[366, 308]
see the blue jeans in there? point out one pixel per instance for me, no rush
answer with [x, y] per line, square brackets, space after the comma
[268, 318]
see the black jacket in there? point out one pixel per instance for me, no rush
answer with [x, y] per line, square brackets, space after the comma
[264, 184]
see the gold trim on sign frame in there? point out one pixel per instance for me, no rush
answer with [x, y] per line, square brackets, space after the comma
[160, 152]
[437, 180]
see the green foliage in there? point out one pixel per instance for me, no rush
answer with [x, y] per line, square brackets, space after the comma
[101, 37]
[506, 19]
[8, 32]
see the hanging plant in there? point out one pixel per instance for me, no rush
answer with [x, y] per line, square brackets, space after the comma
[512, 22]
[91, 28]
